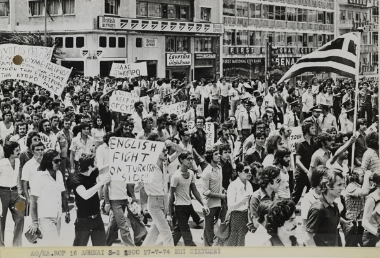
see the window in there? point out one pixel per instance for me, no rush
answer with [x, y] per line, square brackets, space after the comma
[69, 42]
[229, 7]
[254, 10]
[312, 16]
[242, 9]
[142, 9]
[280, 13]
[251, 38]
[182, 44]
[329, 18]
[112, 6]
[358, 16]
[241, 38]
[79, 42]
[154, 10]
[342, 15]
[203, 45]
[172, 11]
[365, 17]
[365, 39]
[68, 6]
[350, 15]
[36, 8]
[302, 14]
[59, 41]
[4, 9]
[279, 38]
[205, 14]
[291, 14]
[112, 42]
[321, 17]
[300, 39]
[54, 6]
[170, 44]
[291, 39]
[121, 42]
[102, 41]
[258, 38]
[310, 40]
[229, 38]
[184, 13]
[270, 12]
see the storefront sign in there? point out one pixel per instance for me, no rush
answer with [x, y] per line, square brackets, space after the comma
[357, 2]
[204, 63]
[243, 50]
[117, 23]
[244, 61]
[286, 61]
[279, 51]
[205, 56]
[178, 59]
[128, 70]
[150, 42]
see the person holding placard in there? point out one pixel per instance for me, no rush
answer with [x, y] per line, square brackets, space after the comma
[138, 116]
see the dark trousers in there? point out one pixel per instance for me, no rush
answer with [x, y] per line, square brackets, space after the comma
[119, 221]
[208, 233]
[368, 110]
[9, 200]
[194, 215]
[90, 227]
[301, 180]
[207, 104]
[182, 228]
[352, 240]
[224, 107]
[369, 239]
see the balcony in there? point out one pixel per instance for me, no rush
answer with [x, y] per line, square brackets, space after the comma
[255, 22]
[291, 25]
[227, 20]
[368, 69]
[242, 22]
[280, 24]
[345, 24]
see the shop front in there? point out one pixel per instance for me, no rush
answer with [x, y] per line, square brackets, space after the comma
[178, 65]
[243, 67]
[204, 66]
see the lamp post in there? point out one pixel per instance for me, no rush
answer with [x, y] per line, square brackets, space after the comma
[45, 34]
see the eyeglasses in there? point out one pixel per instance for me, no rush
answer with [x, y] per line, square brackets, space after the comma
[56, 161]
[189, 158]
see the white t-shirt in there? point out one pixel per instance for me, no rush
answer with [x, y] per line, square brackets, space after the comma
[4, 131]
[182, 185]
[284, 190]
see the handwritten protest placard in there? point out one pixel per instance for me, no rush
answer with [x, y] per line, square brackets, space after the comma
[177, 108]
[191, 125]
[295, 137]
[200, 110]
[372, 128]
[210, 135]
[128, 70]
[123, 102]
[37, 70]
[8, 51]
[133, 160]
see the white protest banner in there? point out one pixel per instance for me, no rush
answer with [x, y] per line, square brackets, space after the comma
[191, 125]
[8, 51]
[133, 160]
[371, 129]
[177, 108]
[129, 70]
[210, 135]
[295, 137]
[49, 76]
[123, 102]
[200, 110]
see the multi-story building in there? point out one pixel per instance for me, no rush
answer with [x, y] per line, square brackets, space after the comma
[354, 14]
[178, 38]
[296, 27]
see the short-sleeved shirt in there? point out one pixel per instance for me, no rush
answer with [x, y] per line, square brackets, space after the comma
[354, 202]
[30, 169]
[258, 197]
[212, 183]
[306, 202]
[305, 151]
[80, 147]
[323, 220]
[371, 160]
[182, 187]
[320, 157]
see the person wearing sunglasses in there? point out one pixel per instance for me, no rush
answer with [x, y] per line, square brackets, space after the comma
[47, 197]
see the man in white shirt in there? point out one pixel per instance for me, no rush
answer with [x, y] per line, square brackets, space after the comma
[10, 187]
[290, 118]
[224, 103]
[307, 102]
[138, 117]
[327, 120]
[20, 137]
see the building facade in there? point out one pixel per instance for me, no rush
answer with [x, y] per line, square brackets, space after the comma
[176, 38]
[296, 27]
[354, 14]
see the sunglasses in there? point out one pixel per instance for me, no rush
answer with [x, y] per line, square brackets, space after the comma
[56, 161]
[247, 171]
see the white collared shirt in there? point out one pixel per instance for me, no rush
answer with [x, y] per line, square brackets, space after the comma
[236, 193]
[8, 175]
[102, 158]
[49, 193]
[159, 185]
[30, 169]
[21, 141]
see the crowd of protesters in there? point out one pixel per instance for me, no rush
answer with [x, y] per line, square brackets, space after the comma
[54, 150]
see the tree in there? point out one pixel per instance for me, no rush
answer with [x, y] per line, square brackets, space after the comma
[33, 39]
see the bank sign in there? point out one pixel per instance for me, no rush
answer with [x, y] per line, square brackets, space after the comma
[178, 59]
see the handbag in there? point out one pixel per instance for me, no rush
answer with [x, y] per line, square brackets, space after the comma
[222, 230]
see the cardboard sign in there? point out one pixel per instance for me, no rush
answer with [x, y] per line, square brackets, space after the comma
[200, 110]
[49, 76]
[37, 52]
[128, 70]
[178, 108]
[295, 137]
[133, 160]
[210, 135]
[191, 125]
[371, 129]
[123, 102]
[46, 141]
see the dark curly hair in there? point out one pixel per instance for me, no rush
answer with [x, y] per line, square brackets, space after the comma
[209, 153]
[280, 154]
[272, 142]
[376, 179]
[355, 175]
[306, 127]
[47, 160]
[372, 140]
[85, 161]
[224, 147]
[322, 138]
[279, 212]
[267, 176]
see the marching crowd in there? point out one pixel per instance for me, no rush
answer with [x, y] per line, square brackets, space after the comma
[55, 150]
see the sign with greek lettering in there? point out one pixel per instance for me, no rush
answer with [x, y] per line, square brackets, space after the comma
[295, 137]
[178, 108]
[178, 59]
[11, 50]
[37, 70]
[123, 102]
[148, 42]
[133, 160]
[210, 135]
[128, 70]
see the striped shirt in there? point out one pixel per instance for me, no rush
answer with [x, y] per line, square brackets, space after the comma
[212, 183]
[354, 202]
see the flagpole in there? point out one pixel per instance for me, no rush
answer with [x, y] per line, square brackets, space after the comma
[360, 30]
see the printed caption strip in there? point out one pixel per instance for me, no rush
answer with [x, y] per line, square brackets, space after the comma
[87, 252]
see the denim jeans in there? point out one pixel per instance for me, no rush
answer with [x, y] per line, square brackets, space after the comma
[9, 200]
[119, 221]
[208, 234]
[160, 227]
[182, 228]
[90, 227]
[50, 229]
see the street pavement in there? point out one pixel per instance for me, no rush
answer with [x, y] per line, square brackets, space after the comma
[68, 232]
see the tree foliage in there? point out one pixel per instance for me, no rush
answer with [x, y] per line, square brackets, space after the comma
[33, 39]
